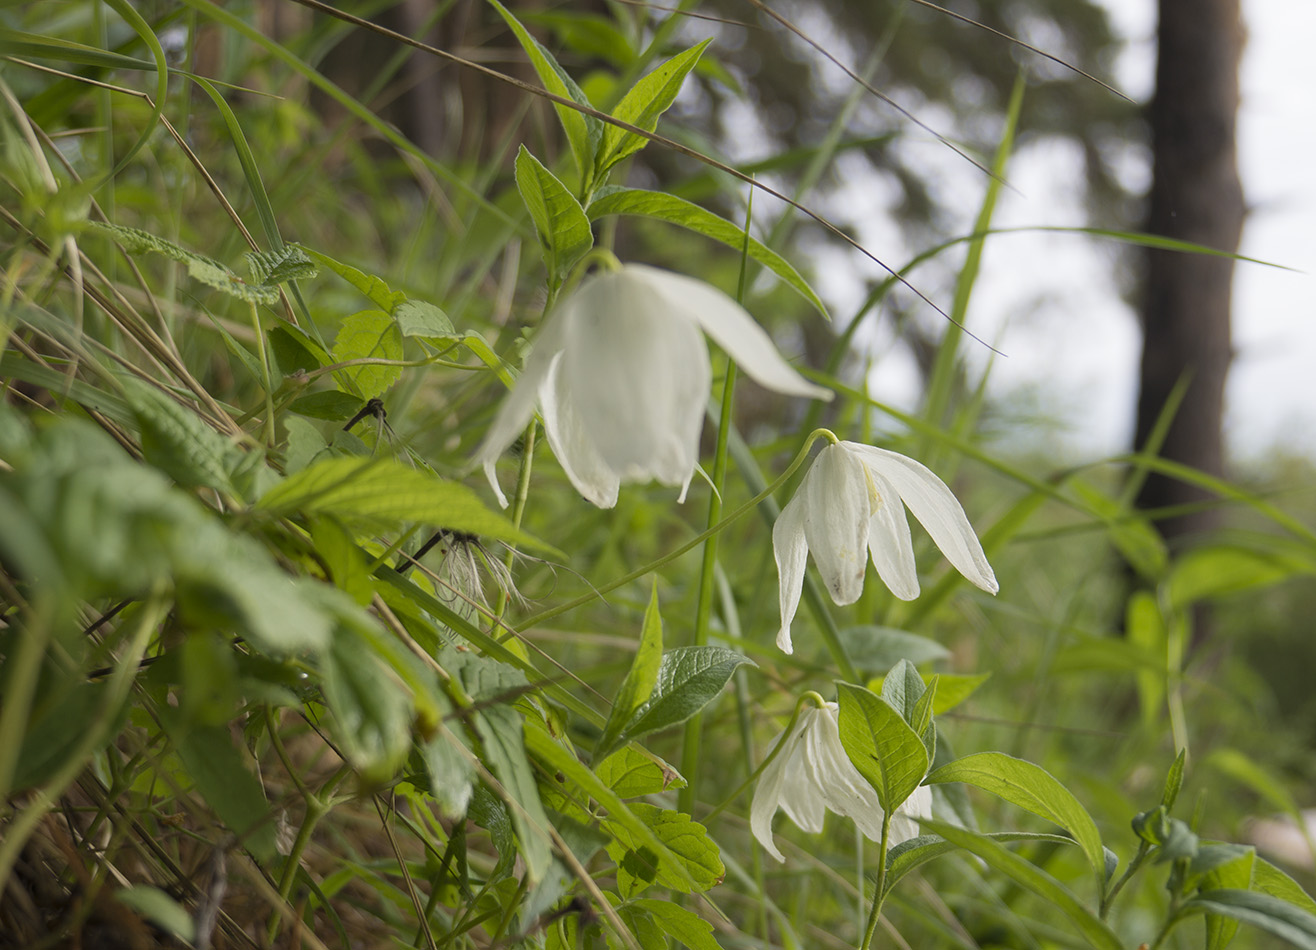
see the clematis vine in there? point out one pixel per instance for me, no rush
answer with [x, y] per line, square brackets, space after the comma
[811, 775]
[850, 506]
[621, 374]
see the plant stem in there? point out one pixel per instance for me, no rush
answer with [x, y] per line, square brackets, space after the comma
[707, 584]
[266, 377]
[1109, 897]
[879, 892]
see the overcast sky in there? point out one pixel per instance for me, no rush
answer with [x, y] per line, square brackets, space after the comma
[1048, 301]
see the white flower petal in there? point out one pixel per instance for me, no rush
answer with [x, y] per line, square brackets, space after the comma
[518, 408]
[889, 542]
[847, 792]
[639, 377]
[791, 553]
[767, 794]
[572, 445]
[936, 508]
[837, 511]
[802, 792]
[732, 328]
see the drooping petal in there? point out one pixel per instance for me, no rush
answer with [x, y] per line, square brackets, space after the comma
[937, 510]
[791, 553]
[889, 542]
[519, 406]
[802, 792]
[767, 795]
[837, 511]
[639, 378]
[846, 792]
[571, 442]
[732, 328]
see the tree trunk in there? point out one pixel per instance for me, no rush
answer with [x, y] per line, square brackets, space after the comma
[1196, 196]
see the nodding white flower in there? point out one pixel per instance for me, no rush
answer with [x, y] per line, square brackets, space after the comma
[812, 775]
[853, 498]
[621, 374]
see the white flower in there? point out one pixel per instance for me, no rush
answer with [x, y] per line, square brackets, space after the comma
[621, 374]
[854, 497]
[812, 775]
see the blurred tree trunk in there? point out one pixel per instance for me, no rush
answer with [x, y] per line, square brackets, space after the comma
[1196, 196]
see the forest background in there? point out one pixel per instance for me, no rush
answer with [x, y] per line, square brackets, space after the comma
[260, 308]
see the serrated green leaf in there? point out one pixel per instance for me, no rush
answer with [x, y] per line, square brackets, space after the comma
[564, 231]
[640, 679]
[685, 214]
[1027, 875]
[375, 289]
[642, 927]
[1032, 788]
[583, 131]
[689, 678]
[1262, 911]
[881, 745]
[160, 909]
[385, 491]
[685, 842]
[419, 318]
[641, 107]
[369, 334]
[630, 773]
[289, 262]
[684, 926]
[178, 442]
[206, 270]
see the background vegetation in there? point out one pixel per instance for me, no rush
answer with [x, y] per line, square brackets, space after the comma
[267, 273]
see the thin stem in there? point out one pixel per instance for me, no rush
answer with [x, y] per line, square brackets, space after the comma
[689, 545]
[266, 376]
[518, 512]
[707, 584]
[879, 893]
[1110, 895]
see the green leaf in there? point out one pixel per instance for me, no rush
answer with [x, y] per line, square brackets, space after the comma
[902, 688]
[1240, 767]
[500, 730]
[558, 758]
[873, 648]
[199, 267]
[332, 404]
[686, 844]
[178, 442]
[1027, 875]
[920, 719]
[631, 773]
[913, 853]
[583, 131]
[451, 770]
[223, 777]
[953, 689]
[370, 334]
[374, 288]
[385, 491]
[680, 924]
[348, 567]
[1269, 879]
[641, 107]
[1262, 911]
[1221, 570]
[564, 231]
[290, 262]
[160, 909]
[419, 318]
[689, 678]
[1174, 779]
[881, 745]
[640, 680]
[1145, 631]
[293, 350]
[641, 926]
[1221, 866]
[371, 707]
[685, 214]
[1032, 788]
